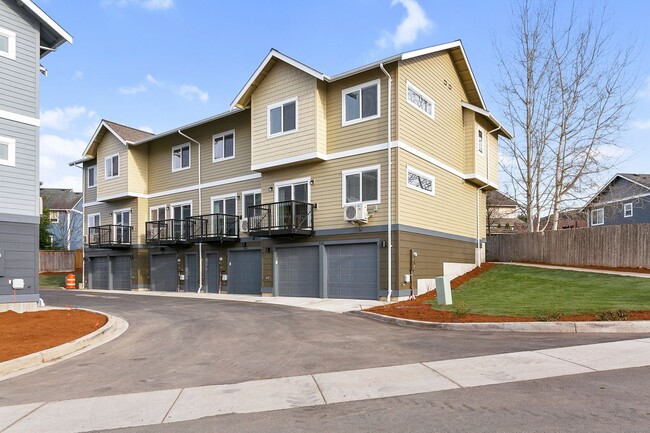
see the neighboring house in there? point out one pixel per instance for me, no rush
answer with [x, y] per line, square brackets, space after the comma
[27, 34]
[66, 217]
[502, 214]
[569, 219]
[288, 194]
[625, 199]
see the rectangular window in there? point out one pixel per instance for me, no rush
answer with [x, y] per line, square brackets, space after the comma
[181, 157]
[283, 117]
[93, 220]
[628, 210]
[157, 213]
[251, 198]
[54, 216]
[225, 205]
[361, 186]
[480, 135]
[92, 176]
[179, 213]
[223, 146]
[420, 181]
[598, 217]
[7, 44]
[7, 151]
[419, 100]
[122, 219]
[360, 103]
[112, 164]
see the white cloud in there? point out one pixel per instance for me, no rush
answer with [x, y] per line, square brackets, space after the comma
[146, 128]
[415, 22]
[645, 91]
[189, 92]
[61, 118]
[56, 146]
[79, 75]
[143, 4]
[152, 80]
[642, 124]
[612, 151]
[132, 90]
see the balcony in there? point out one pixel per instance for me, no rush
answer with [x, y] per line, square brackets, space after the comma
[216, 227]
[167, 232]
[285, 218]
[110, 236]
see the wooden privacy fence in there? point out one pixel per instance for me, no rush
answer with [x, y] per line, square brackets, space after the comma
[60, 261]
[613, 246]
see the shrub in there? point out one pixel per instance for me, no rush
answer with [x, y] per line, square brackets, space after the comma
[614, 315]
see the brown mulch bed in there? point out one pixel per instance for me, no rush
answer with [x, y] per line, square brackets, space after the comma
[597, 268]
[22, 334]
[415, 309]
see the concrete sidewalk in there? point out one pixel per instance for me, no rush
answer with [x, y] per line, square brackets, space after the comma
[173, 405]
[570, 268]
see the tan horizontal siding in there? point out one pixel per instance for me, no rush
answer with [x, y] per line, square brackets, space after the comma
[180, 197]
[110, 187]
[138, 169]
[225, 190]
[90, 194]
[469, 124]
[106, 209]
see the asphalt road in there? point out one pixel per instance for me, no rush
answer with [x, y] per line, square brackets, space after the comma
[178, 342]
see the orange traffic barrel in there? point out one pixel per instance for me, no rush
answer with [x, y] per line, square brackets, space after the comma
[70, 281]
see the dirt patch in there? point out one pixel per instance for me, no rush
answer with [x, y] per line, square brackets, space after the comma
[415, 309]
[27, 333]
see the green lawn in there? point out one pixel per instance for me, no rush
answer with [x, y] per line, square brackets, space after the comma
[527, 291]
[56, 280]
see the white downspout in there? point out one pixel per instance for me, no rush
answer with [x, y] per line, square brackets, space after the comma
[200, 211]
[83, 224]
[67, 228]
[478, 195]
[389, 231]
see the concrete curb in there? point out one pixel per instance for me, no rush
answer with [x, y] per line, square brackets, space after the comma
[636, 327]
[113, 328]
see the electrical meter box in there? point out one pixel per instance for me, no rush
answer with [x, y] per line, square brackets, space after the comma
[18, 283]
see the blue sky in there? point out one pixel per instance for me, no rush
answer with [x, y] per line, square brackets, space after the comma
[159, 64]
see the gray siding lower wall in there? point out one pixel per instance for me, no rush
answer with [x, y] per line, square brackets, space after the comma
[19, 249]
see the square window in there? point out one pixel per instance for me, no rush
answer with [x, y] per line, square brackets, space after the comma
[92, 176]
[223, 146]
[112, 165]
[180, 157]
[361, 103]
[282, 118]
[361, 186]
[7, 151]
[628, 210]
[7, 44]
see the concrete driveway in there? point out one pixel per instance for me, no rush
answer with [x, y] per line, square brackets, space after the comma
[181, 342]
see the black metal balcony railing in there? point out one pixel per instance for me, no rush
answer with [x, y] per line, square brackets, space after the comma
[110, 236]
[285, 218]
[166, 232]
[216, 227]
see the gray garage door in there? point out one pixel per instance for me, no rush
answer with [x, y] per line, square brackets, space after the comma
[212, 272]
[352, 271]
[297, 271]
[164, 272]
[244, 272]
[121, 270]
[98, 273]
[191, 272]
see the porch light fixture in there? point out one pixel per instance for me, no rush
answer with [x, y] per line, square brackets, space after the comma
[271, 188]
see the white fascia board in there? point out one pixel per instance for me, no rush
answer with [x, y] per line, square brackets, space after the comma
[429, 50]
[363, 68]
[633, 181]
[614, 201]
[489, 115]
[600, 190]
[45, 18]
[86, 152]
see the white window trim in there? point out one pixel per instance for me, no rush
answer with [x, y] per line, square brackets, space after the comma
[91, 167]
[359, 171]
[55, 220]
[234, 145]
[593, 211]
[106, 176]
[189, 160]
[11, 151]
[631, 205]
[420, 173]
[93, 215]
[359, 87]
[116, 211]
[478, 149]
[280, 184]
[162, 206]
[180, 203]
[268, 118]
[11, 54]
[244, 194]
[222, 197]
[424, 96]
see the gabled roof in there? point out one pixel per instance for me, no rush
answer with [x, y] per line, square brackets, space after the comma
[59, 198]
[455, 49]
[500, 128]
[497, 199]
[125, 134]
[52, 34]
[642, 180]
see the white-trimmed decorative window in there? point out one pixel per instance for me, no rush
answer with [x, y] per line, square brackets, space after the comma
[419, 100]
[420, 181]
[282, 118]
[7, 44]
[91, 174]
[7, 151]
[223, 146]
[361, 185]
[628, 210]
[54, 216]
[598, 217]
[361, 103]
[181, 157]
[480, 140]
[112, 166]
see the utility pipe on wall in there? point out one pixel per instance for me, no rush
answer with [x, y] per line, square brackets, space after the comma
[200, 210]
[390, 196]
[478, 195]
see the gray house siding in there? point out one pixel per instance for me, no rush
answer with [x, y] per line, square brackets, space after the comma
[19, 192]
[19, 86]
[19, 258]
[613, 199]
[60, 230]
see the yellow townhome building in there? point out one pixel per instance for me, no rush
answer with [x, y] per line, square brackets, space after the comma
[367, 184]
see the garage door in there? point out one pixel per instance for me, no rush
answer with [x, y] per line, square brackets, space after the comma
[244, 272]
[121, 270]
[164, 272]
[98, 273]
[297, 271]
[352, 271]
[212, 272]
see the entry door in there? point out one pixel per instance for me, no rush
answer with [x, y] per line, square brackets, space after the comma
[191, 273]
[180, 213]
[297, 192]
[212, 272]
[122, 221]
